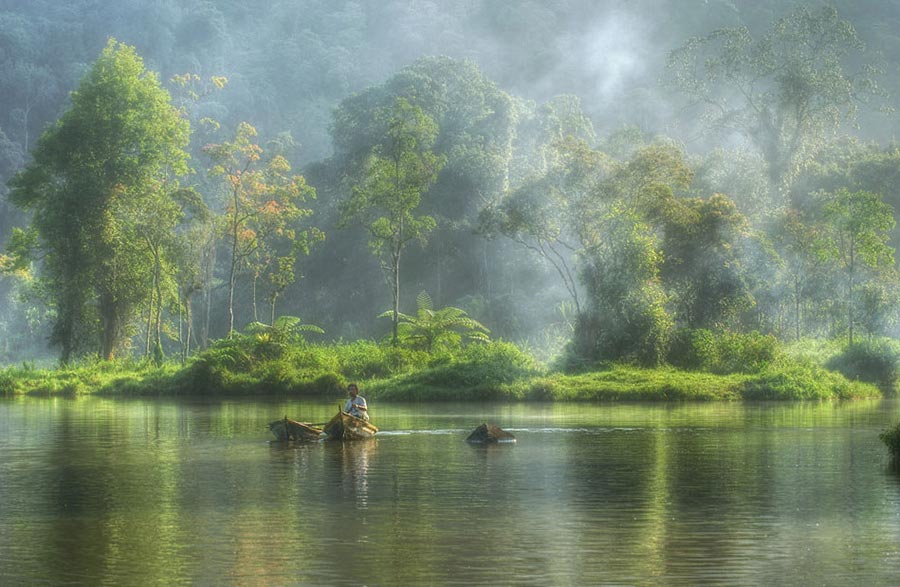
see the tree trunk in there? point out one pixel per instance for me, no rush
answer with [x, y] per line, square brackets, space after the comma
[255, 284]
[851, 269]
[157, 342]
[232, 277]
[149, 328]
[109, 321]
[231, 282]
[189, 319]
[395, 294]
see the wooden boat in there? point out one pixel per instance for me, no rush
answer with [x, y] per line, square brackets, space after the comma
[288, 429]
[346, 427]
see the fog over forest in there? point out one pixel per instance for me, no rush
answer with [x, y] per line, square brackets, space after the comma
[565, 132]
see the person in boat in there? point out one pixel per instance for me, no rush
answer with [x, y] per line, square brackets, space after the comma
[356, 404]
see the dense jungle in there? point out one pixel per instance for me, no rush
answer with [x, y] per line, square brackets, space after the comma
[471, 199]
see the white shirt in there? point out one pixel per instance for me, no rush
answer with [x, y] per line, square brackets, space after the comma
[350, 406]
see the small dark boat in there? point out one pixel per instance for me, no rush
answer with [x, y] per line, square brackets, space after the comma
[489, 434]
[288, 429]
[346, 427]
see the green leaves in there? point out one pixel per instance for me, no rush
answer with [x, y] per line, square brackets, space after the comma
[398, 172]
[860, 222]
[784, 91]
[99, 186]
[442, 329]
[263, 215]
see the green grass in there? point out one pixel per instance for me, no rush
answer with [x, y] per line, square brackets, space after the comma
[117, 377]
[250, 365]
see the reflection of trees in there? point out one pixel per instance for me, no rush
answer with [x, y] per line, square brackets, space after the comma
[680, 493]
[94, 512]
[171, 492]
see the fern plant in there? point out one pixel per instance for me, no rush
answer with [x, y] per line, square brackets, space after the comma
[430, 330]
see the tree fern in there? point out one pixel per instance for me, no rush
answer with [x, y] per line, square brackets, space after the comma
[431, 329]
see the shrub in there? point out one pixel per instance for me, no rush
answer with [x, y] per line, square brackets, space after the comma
[723, 353]
[891, 437]
[872, 361]
[694, 349]
[7, 382]
[795, 379]
[481, 371]
[745, 353]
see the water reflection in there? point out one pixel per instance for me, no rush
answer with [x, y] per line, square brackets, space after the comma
[97, 491]
[347, 465]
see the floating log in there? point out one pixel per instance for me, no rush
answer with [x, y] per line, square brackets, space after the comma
[488, 433]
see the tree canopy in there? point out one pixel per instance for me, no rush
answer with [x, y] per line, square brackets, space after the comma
[112, 156]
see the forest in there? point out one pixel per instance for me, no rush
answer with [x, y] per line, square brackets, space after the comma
[582, 193]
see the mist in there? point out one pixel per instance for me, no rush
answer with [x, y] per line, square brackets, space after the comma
[298, 71]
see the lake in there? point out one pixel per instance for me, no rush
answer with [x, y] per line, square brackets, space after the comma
[166, 492]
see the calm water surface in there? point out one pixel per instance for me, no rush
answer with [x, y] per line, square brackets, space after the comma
[159, 492]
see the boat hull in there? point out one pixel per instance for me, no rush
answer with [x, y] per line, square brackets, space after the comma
[288, 429]
[346, 427]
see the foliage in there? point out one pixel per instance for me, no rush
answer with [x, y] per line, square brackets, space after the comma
[802, 380]
[729, 254]
[781, 380]
[705, 243]
[694, 349]
[860, 222]
[873, 361]
[629, 383]
[784, 91]
[496, 370]
[891, 438]
[399, 171]
[546, 214]
[723, 352]
[807, 253]
[479, 372]
[263, 211]
[626, 318]
[93, 179]
[431, 330]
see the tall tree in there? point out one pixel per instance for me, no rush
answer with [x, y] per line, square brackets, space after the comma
[626, 317]
[806, 250]
[860, 222]
[264, 204]
[785, 92]
[110, 154]
[545, 215]
[396, 175]
[705, 244]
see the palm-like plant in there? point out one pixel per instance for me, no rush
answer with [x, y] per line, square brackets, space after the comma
[283, 330]
[431, 329]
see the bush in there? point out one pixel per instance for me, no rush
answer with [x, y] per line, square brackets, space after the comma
[746, 353]
[891, 437]
[694, 349]
[796, 379]
[723, 353]
[7, 382]
[872, 361]
[479, 372]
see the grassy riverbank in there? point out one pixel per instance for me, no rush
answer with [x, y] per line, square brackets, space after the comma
[253, 366]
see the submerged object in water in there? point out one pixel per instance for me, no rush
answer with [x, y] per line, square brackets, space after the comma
[488, 433]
